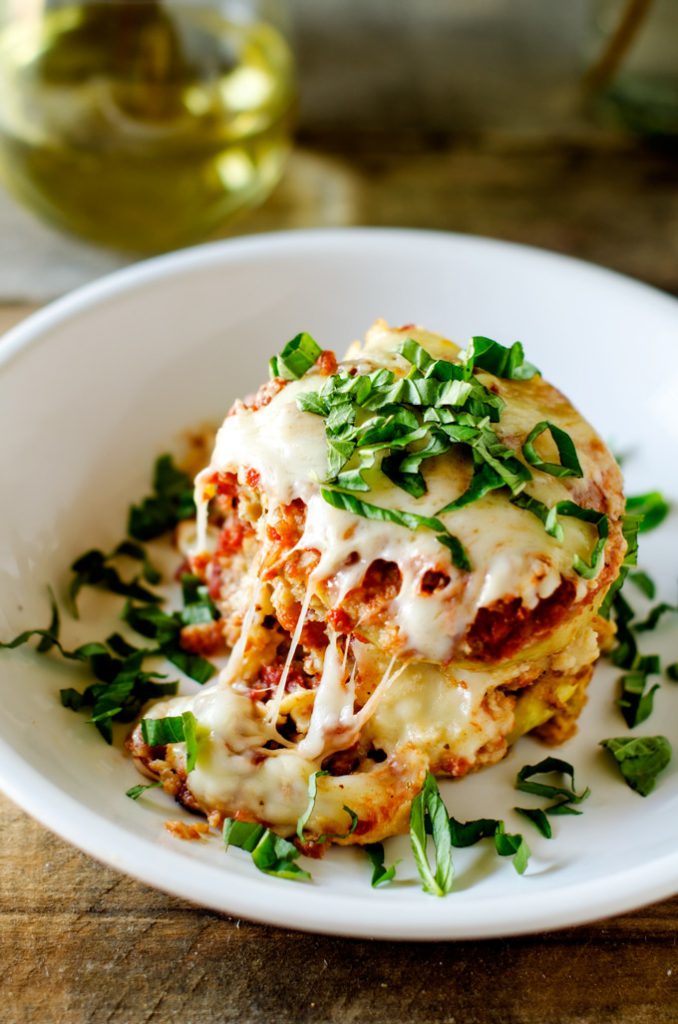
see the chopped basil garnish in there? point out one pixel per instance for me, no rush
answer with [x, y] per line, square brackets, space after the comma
[652, 508]
[650, 664]
[644, 583]
[602, 524]
[349, 503]
[122, 648]
[122, 692]
[190, 739]
[276, 856]
[270, 852]
[549, 517]
[171, 501]
[438, 405]
[71, 699]
[538, 818]
[487, 448]
[242, 834]
[165, 629]
[122, 688]
[379, 425]
[512, 846]
[311, 401]
[625, 653]
[484, 480]
[428, 807]
[328, 837]
[135, 791]
[636, 702]
[131, 549]
[381, 875]
[297, 357]
[312, 793]
[652, 621]
[569, 463]
[468, 833]
[561, 794]
[630, 528]
[672, 672]
[639, 759]
[49, 637]
[198, 607]
[485, 354]
[158, 732]
[94, 569]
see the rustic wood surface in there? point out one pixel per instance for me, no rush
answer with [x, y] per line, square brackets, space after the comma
[81, 943]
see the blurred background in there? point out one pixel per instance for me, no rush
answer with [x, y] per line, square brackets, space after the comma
[132, 127]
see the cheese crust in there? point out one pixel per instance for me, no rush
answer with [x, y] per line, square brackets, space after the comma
[358, 647]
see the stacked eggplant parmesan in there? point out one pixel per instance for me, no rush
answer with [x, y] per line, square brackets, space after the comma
[408, 550]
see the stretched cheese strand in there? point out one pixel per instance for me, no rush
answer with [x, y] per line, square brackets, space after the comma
[511, 553]
[273, 706]
[236, 660]
[377, 696]
[333, 715]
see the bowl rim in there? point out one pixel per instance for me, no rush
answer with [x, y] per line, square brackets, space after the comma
[336, 914]
[139, 273]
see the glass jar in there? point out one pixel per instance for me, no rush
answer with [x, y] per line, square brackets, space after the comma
[143, 125]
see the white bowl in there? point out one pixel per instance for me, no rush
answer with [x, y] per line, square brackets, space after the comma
[96, 385]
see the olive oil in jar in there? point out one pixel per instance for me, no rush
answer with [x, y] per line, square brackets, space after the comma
[141, 125]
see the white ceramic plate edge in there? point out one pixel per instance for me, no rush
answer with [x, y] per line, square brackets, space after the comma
[113, 845]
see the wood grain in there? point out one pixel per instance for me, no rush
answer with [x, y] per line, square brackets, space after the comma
[603, 198]
[80, 943]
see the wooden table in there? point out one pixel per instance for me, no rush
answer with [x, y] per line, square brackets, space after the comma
[81, 943]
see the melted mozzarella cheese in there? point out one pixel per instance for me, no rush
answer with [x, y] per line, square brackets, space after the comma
[418, 707]
[333, 722]
[423, 709]
[511, 553]
[436, 712]
[285, 445]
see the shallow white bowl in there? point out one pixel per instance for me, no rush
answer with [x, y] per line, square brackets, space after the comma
[96, 385]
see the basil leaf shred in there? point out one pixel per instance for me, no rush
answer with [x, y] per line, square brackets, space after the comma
[170, 503]
[468, 833]
[652, 509]
[381, 875]
[640, 759]
[136, 791]
[173, 729]
[550, 766]
[428, 805]
[349, 503]
[644, 583]
[271, 853]
[538, 818]
[569, 464]
[513, 846]
[296, 358]
[312, 793]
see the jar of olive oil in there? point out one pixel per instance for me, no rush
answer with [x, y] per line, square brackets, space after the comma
[143, 125]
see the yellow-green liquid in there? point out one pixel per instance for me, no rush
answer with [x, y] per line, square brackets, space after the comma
[142, 126]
